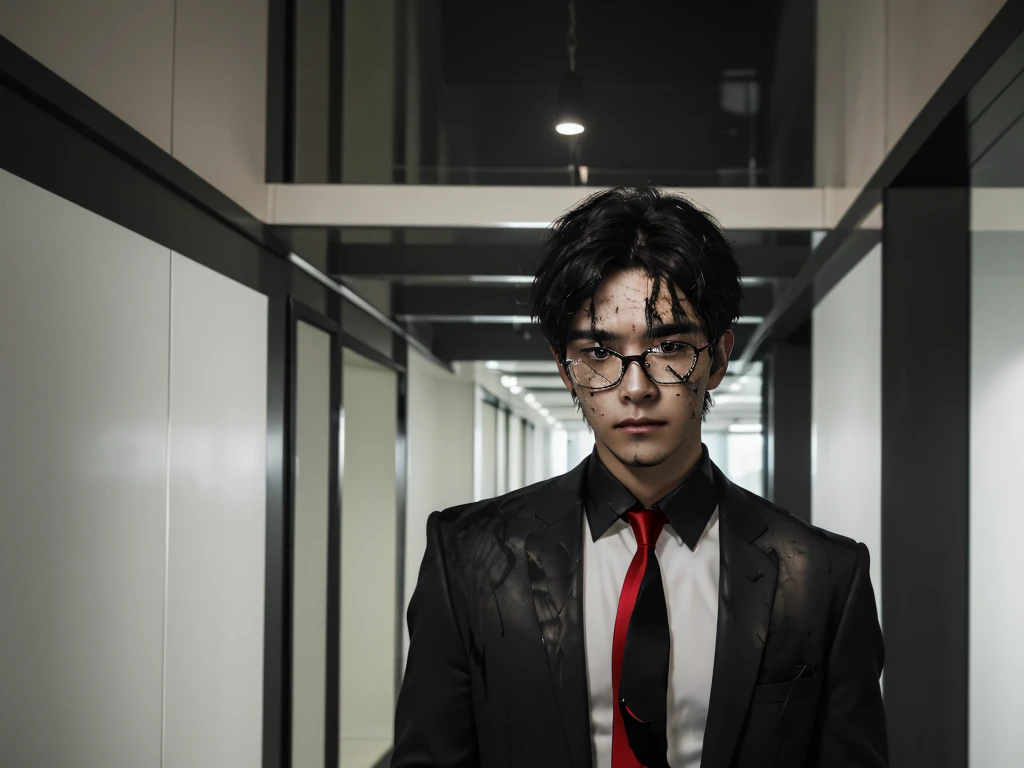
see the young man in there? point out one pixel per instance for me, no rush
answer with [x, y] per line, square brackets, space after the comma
[640, 610]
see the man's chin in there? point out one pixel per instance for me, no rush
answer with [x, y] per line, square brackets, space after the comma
[640, 456]
[641, 461]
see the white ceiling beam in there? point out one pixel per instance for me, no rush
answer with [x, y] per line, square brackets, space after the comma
[406, 205]
[403, 205]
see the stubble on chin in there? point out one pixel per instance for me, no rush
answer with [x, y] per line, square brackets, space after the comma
[637, 459]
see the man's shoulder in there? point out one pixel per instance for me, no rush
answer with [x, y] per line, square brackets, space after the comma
[483, 515]
[789, 534]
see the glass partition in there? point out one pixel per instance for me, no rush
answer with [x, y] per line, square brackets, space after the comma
[996, 677]
[313, 525]
[370, 543]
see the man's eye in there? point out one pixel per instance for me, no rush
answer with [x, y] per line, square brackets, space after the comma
[597, 353]
[669, 347]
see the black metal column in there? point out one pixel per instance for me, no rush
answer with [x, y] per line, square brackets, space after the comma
[787, 426]
[926, 283]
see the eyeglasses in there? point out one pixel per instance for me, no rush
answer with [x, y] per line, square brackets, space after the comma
[671, 362]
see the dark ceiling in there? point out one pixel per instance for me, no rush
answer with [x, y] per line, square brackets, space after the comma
[653, 74]
[661, 43]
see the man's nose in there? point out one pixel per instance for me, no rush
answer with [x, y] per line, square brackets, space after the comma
[636, 385]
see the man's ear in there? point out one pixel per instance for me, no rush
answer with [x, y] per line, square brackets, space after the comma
[561, 369]
[720, 365]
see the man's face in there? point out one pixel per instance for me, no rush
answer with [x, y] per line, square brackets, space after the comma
[642, 423]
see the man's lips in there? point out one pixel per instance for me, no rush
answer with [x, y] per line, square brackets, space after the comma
[639, 426]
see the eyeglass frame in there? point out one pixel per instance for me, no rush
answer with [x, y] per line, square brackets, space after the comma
[641, 359]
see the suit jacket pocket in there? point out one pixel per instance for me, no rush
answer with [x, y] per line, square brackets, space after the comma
[779, 724]
[794, 690]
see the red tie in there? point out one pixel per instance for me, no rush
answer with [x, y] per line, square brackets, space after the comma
[646, 525]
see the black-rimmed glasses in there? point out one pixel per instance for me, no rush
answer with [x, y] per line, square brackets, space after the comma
[671, 362]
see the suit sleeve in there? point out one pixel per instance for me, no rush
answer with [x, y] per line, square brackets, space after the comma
[434, 718]
[852, 732]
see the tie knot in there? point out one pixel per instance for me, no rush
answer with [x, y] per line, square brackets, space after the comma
[646, 525]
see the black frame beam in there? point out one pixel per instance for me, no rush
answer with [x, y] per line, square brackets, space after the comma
[461, 300]
[925, 472]
[787, 425]
[488, 341]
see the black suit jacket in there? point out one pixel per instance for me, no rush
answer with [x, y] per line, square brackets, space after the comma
[496, 672]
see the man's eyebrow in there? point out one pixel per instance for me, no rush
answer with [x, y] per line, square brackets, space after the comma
[657, 332]
[671, 329]
[593, 334]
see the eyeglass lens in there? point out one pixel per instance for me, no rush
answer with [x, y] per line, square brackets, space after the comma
[598, 368]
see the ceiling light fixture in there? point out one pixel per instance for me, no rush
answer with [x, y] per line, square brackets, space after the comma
[570, 117]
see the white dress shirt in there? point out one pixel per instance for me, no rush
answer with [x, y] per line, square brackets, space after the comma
[690, 579]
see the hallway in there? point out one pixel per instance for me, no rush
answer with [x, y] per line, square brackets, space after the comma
[266, 306]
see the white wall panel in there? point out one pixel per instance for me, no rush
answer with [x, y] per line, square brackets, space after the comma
[217, 502]
[440, 433]
[531, 460]
[926, 40]
[878, 64]
[846, 418]
[83, 344]
[220, 96]
[543, 463]
[190, 75]
[997, 525]
[369, 561]
[489, 415]
[118, 52]
[516, 448]
[501, 452]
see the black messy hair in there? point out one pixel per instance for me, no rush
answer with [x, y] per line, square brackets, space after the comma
[665, 235]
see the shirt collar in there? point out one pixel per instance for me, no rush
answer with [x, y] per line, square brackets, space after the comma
[688, 508]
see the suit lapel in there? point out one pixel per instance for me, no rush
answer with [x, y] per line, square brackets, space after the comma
[554, 559]
[746, 591]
